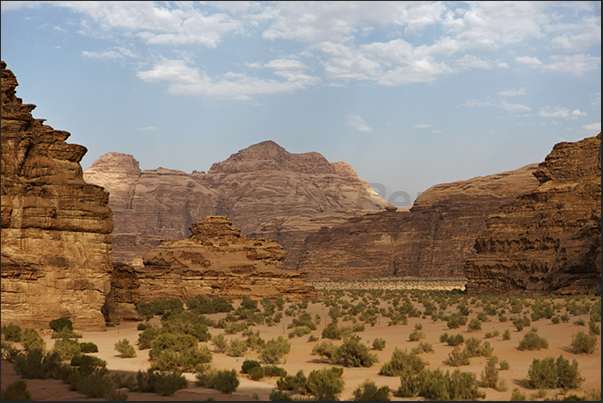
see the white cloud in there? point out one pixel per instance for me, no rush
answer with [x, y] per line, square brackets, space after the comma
[117, 54]
[575, 64]
[513, 92]
[146, 129]
[472, 62]
[593, 127]
[579, 37]
[576, 112]
[514, 107]
[559, 112]
[358, 123]
[436, 131]
[422, 126]
[477, 102]
[286, 64]
[15, 5]
[503, 65]
[528, 60]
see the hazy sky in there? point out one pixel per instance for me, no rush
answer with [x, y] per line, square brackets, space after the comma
[410, 94]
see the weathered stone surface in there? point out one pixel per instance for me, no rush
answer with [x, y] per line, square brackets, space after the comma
[252, 187]
[56, 247]
[549, 239]
[432, 240]
[122, 298]
[217, 260]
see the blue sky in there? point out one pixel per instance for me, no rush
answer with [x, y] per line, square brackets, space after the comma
[411, 94]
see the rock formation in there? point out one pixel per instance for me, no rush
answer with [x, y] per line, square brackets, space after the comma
[549, 239]
[252, 187]
[56, 245]
[122, 298]
[217, 260]
[432, 240]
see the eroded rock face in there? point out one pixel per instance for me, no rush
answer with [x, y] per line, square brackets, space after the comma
[549, 239]
[56, 247]
[252, 187]
[217, 260]
[432, 240]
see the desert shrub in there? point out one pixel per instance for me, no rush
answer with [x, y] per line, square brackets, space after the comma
[402, 360]
[437, 385]
[61, 323]
[235, 327]
[12, 332]
[30, 339]
[491, 334]
[506, 335]
[455, 340]
[248, 365]
[185, 322]
[9, 351]
[580, 322]
[565, 318]
[16, 391]
[416, 335]
[332, 331]
[367, 391]
[179, 358]
[325, 384]
[141, 326]
[593, 328]
[87, 362]
[162, 383]
[226, 381]
[551, 373]
[378, 344]
[279, 396]
[453, 323]
[504, 365]
[312, 338]
[275, 350]
[444, 337]
[474, 324]
[353, 353]
[475, 348]
[90, 347]
[502, 385]
[147, 336]
[236, 348]
[531, 341]
[489, 376]
[299, 331]
[273, 370]
[220, 343]
[423, 347]
[293, 382]
[66, 348]
[124, 348]
[555, 320]
[517, 396]
[37, 364]
[65, 333]
[327, 349]
[255, 342]
[458, 357]
[583, 343]
[304, 319]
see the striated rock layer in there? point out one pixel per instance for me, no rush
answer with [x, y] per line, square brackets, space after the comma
[56, 247]
[253, 186]
[217, 260]
[432, 240]
[549, 239]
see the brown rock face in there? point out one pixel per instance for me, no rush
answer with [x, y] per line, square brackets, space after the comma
[252, 187]
[56, 247]
[549, 239]
[122, 298]
[217, 260]
[432, 240]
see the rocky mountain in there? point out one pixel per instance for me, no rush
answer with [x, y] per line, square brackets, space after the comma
[252, 187]
[217, 260]
[56, 247]
[549, 239]
[432, 240]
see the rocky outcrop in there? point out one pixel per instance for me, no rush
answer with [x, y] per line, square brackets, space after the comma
[252, 187]
[122, 298]
[56, 247]
[549, 239]
[432, 240]
[217, 260]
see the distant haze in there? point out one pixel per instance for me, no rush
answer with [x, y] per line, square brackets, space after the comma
[410, 94]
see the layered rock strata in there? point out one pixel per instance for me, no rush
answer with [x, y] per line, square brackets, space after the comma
[217, 260]
[432, 240]
[549, 239]
[56, 247]
[252, 187]
[121, 300]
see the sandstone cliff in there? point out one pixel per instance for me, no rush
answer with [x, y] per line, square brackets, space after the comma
[432, 240]
[252, 187]
[56, 245]
[549, 239]
[217, 260]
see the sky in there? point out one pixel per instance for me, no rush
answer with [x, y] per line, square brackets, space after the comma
[410, 94]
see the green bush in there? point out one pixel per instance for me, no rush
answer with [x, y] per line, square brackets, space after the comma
[66, 348]
[506, 335]
[30, 339]
[378, 344]
[220, 343]
[531, 341]
[555, 320]
[400, 361]
[583, 343]
[325, 384]
[489, 377]
[226, 381]
[474, 324]
[353, 353]
[275, 350]
[332, 331]
[87, 361]
[90, 347]
[60, 324]
[124, 348]
[504, 365]
[416, 335]
[11, 332]
[293, 382]
[162, 383]
[16, 391]
[517, 396]
[423, 347]
[458, 357]
[37, 364]
[327, 349]
[279, 396]
[551, 373]
[437, 385]
[236, 348]
[593, 328]
[580, 322]
[455, 340]
[368, 392]
[141, 326]
[180, 358]
[248, 365]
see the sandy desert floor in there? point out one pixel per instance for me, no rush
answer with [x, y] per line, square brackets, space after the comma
[558, 336]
